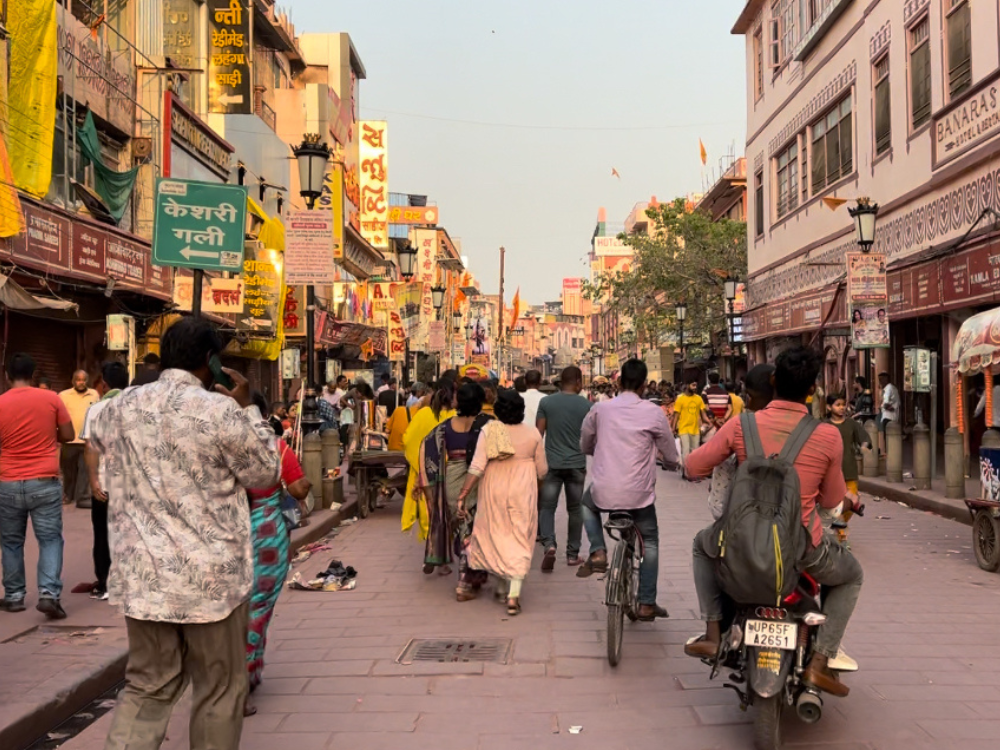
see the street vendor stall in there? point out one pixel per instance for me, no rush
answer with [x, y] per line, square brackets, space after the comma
[977, 350]
[370, 462]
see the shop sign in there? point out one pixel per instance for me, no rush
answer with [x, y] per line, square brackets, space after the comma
[92, 74]
[45, 240]
[426, 244]
[436, 341]
[966, 123]
[184, 128]
[229, 79]
[295, 311]
[180, 35]
[261, 279]
[332, 200]
[383, 295]
[333, 332]
[219, 296]
[419, 215]
[308, 248]
[611, 246]
[373, 162]
[397, 337]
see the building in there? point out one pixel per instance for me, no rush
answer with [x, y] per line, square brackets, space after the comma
[896, 101]
[727, 198]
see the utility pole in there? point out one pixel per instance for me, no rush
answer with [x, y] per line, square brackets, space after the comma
[500, 336]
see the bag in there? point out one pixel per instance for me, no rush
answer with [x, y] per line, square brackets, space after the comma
[760, 535]
[498, 442]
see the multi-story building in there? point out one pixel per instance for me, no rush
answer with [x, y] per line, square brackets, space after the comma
[894, 101]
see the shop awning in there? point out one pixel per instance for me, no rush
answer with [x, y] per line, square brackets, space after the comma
[16, 297]
[977, 345]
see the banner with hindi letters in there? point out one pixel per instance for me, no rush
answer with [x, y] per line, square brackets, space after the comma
[220, 296]
[867, 298]
[262, 291]
[229, 77]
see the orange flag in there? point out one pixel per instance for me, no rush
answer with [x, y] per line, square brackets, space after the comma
[517, 309]
[704, 153]
[834, 203]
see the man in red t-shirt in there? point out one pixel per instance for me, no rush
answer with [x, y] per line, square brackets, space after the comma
[717, 398]
[33, 422]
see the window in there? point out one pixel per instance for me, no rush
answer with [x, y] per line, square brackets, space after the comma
[959, 43]
[758, 203]
[920, 73]
[783, 29]
[883, 115]
[787, 174]
[832, 146]
[758, 64]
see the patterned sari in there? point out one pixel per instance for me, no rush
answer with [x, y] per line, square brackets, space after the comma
[270, 567]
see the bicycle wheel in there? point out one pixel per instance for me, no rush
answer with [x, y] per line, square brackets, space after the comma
[632, 589]
[615, 592]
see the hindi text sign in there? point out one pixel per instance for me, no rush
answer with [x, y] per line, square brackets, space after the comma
[262, 291]
[229, 79]
[308, 248]
[199, 225]
[373, 179]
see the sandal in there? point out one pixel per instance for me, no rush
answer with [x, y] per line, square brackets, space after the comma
[465, 595]
[513, 610]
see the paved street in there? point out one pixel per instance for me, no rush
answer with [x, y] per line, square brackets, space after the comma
[921, 635]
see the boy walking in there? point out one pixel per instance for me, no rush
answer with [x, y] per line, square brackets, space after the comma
[854, 437]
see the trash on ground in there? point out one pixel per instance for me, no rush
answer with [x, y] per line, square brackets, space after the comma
[336, 577]
[575, 729]
[309, 550]
[882, 518]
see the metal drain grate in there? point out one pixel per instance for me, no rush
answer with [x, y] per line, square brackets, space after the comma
[493, 650]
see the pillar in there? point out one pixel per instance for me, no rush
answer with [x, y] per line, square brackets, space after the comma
[894, 452]
[331, 449]
[922, 457]
[954, 464]
[870, 458]
[312, 461]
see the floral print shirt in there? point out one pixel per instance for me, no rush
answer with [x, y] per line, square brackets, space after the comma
[178, 516]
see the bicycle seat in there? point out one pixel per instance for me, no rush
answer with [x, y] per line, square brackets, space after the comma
[619, 521]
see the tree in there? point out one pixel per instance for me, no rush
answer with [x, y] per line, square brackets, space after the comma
[686, 257]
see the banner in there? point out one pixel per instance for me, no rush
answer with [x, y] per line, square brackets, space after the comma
[425, 240]
[262, 291]
[295, 311]
[220, 296]
[291, 364]
[479, 337]
[869, 325]
[308, 248]
[229, 79]
[867, 299]
[373, 180]
[333, 332]
[333, 199]
[436, 340]
[397, 337]
[866, 276]
[30, 111]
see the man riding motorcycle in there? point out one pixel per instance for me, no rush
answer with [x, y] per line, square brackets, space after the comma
[822, 485]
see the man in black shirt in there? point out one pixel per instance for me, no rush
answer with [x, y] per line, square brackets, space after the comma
[389, 398]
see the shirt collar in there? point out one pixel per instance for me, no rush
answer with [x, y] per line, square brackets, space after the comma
[628, 396]
[787, 406]
[181, 377]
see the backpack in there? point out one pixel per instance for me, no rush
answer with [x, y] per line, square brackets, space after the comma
[760, 534]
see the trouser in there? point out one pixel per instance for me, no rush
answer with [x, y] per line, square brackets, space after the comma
[163, 657]
[76, 480]
[831, 564]
[572, 480]
[39, 499]
[646, 525]
[102, 552]
[689, 443]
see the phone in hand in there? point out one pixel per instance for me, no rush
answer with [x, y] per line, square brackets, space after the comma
[218, 374]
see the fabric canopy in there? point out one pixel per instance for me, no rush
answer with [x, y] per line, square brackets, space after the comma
[115, 188]
[16, 297]
[977, 345]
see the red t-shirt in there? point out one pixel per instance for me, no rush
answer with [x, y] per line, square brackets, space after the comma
[291, 472]
[29, 420]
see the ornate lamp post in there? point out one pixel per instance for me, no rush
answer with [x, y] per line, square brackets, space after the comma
[681, 311]
[312, 156]
[407, 261]
[730, 290]
[865, 215]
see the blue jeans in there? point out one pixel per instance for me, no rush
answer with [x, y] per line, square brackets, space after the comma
[41, 499]
[548, 500]
[649, 530]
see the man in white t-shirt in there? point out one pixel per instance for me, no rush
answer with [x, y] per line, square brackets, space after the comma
[532, 397]
[890, 404]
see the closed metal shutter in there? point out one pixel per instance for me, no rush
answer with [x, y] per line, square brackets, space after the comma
[52, 344]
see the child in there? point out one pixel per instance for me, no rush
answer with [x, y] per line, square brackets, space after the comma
[854, 437]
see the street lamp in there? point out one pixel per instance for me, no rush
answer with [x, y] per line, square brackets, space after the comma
[730, 291]
[682, 312]
[407, 261]
[456, 317]
[312, 156]
[864, 215]
[437, 296]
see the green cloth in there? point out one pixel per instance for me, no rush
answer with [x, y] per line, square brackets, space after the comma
[563, 414]
[854, 436]
[115, 188]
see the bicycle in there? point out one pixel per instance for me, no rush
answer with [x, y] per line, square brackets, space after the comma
[621, 588]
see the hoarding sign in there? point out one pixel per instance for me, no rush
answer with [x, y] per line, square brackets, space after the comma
[332, 199]
[869, 325]
[868, 296]
[229, 79]
[290, 364]
[426, 244]
[419, 215]
[373, 180]
[308, 248]
[295, 311]
[262, 285]
[610, 246]
[199, 225]
[866, 276]
[220, 296]
[436, 339]
[397, 337]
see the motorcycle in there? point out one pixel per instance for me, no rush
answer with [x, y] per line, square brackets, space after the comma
[766, 650]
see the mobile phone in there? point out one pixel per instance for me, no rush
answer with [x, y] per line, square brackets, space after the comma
[218, 374]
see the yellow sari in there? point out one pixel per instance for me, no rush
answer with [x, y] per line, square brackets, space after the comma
[421, 425]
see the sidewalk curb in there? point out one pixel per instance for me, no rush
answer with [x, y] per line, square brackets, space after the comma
[43, 717]
[917, 500]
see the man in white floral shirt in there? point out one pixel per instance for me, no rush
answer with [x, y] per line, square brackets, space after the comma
[179, 525]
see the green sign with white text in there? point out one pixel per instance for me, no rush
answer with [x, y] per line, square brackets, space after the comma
[199, 225]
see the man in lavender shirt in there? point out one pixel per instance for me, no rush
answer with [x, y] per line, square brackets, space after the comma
[624, 436]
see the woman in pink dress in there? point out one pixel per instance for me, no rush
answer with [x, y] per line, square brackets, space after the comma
[503, 536]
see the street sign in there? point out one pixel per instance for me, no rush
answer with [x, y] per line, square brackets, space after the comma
[199, 225]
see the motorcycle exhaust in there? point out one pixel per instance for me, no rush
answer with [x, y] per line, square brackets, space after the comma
[809, 706]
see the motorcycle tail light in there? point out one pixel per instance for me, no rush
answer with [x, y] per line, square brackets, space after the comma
[814, 618]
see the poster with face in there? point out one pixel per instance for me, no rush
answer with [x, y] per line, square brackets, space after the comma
[869, 325]
[479, 335]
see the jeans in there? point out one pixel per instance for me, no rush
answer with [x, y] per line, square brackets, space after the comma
[689, 443]
[102, 552]
[649, 530]
[548, 500]
[831, 564]
[41, 499]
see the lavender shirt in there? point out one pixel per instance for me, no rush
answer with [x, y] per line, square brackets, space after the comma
[623, 436]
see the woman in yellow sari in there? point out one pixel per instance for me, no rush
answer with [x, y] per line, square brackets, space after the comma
[424, 421]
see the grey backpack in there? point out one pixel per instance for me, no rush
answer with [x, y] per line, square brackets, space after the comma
[760, 535]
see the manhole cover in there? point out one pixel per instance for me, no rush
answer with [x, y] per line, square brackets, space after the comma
[494, 650]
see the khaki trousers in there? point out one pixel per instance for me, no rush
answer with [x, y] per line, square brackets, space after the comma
[163, 657]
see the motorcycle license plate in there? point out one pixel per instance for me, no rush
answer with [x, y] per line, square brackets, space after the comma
[770, 634]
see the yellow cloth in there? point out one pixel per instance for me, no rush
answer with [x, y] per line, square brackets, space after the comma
[420, 427]
[397, 425]
[688, 409]
[77, 405]
[737, 404]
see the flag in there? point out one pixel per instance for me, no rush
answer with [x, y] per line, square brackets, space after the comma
[516, 312]
[834, 203]
[614, 173]
[704, 153]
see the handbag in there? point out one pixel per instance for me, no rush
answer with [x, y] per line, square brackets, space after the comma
[498, 443]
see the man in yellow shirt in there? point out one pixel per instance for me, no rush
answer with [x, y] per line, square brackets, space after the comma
[76, 481]
[736, 405]
[690, 413]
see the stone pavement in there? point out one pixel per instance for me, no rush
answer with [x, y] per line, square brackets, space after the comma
[921, 633]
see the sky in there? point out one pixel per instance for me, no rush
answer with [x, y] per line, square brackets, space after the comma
[511, 114]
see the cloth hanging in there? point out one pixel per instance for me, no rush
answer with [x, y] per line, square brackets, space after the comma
[115, 188]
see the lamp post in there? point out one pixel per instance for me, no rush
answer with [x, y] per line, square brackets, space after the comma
[312, 156]
[598, 351]
[681, 311]
[865, 215]
[407, 261]
[456, 317]
[730, 291]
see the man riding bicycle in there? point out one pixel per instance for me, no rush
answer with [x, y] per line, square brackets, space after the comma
[623, 436]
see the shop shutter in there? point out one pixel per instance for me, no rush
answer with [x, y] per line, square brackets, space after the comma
[51, 343]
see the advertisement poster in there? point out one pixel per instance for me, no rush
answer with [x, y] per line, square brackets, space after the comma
[332, 199]
[916, 369]
[373, 182]
[219, 296]
[866, 276]
[290, 364]
[408, 299]
[229, 58]
[425, 241]
[436, 336]
[397, 337]
[479, 337]
[308, 244]
[295, 311]
[261, 291]
[867, 297]
[869, 325]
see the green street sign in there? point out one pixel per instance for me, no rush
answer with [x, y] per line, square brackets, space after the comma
[199, 225]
